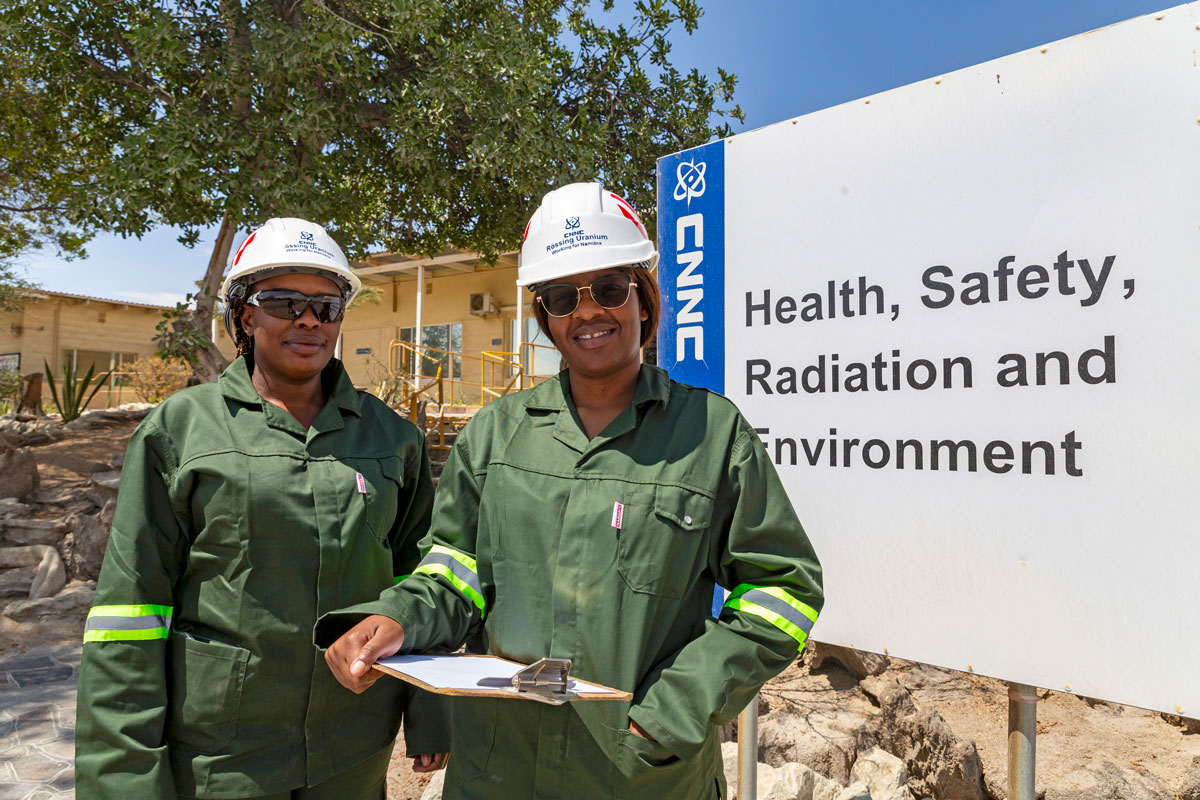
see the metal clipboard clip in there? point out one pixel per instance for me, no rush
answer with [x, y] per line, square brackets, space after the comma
[546, 680]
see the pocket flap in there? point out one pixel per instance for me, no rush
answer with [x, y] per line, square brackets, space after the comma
[393, 469]
[689, 510]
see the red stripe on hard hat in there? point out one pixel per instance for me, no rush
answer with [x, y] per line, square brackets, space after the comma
[238, 257]
[628, 211]
[527, 227]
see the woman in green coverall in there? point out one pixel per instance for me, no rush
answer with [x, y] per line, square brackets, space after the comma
[249, 507]
[589, 518]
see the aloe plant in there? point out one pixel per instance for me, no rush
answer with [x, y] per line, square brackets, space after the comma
[72, 401]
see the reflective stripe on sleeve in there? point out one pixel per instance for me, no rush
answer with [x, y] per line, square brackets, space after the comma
[777, 607]
[127, 623]
[458, 568]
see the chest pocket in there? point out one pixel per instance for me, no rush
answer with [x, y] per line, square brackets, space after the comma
[662, 542]
[383, 480]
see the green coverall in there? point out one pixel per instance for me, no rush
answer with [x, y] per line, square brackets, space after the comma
[235, 529]
[606, 552]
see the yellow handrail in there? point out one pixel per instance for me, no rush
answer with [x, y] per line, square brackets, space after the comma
[455, 389]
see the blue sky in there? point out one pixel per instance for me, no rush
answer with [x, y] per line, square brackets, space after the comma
[791, 58]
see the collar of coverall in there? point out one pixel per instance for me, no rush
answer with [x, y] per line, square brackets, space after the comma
[653, 386]
[235, 384]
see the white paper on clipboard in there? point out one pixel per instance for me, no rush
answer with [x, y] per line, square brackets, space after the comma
[476, 675]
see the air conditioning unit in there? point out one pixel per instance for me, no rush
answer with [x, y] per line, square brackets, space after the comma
[482, 304]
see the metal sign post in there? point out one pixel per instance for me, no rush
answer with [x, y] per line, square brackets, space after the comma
[747, 780]
[1022, 740]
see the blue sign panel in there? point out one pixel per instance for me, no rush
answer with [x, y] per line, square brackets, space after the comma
[691, 267]
[362, 351]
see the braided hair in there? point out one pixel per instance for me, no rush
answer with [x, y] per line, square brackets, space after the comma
[242, 340]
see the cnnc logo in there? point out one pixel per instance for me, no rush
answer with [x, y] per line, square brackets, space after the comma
[572, 223]
[305, 236]
[689, 177]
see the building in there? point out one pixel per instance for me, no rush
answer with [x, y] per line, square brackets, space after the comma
[451, 311]
[468, 325]
[62, 329]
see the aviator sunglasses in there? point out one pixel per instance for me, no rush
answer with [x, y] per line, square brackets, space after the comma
[609, 291]
[290, 304]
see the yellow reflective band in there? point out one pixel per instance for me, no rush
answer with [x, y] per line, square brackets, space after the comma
[130, 611]
[125, 636]
[458, 568]
[777, 607]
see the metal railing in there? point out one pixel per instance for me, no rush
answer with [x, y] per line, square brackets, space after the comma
[407, 386]
[499, 372]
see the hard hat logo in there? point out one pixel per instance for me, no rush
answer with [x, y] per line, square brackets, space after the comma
[305, 236]
[572, 223]
[689, 178]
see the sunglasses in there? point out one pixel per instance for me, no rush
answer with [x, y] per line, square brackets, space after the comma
[290, 304]
[609, 291]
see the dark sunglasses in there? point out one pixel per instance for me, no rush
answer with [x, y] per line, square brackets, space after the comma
[290, 304]
[609, 291]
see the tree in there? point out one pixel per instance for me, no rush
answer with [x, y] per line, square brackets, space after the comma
[37, 173]
[410, 125]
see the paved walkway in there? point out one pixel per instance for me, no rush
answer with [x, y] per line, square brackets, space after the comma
[37, 723]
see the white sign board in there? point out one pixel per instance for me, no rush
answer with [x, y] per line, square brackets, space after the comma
[964, 316]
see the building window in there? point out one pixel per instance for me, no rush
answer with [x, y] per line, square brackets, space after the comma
[542, 360]
[99, 361]
[441, 337]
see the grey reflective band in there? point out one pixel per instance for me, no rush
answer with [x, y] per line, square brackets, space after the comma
[143, 623]
[760, 598]
[456, 567]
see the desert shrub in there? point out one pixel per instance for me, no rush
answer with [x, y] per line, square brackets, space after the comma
[155, 379]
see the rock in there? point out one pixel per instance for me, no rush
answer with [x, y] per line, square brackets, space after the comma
[1104, 780]
[59, 496]
[26, 432]
[825, 743]
[23, 531]
[50, 577]
[729, 763]
[804, 784]
[109, 480]
[939, 762]
[18, 474]
[433, 791]
[1188, 724]
[855, 791]
[885, 775]
[17, 581]
[39, 565]
[770, 783]
[84, 546]
[60, 617]
[12, 507]
[118, 460]
[1189, 787]
[858, 663]
[107, 416]
[69, 605]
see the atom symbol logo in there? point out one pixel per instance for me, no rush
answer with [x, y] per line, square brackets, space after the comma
[572, 223]
[690, 177]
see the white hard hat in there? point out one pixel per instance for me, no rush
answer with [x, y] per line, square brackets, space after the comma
[289, 245]
[578, 228]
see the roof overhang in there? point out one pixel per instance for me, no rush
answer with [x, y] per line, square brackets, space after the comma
[385, 265]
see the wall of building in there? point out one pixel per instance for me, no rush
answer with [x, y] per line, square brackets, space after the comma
[50, 324]
[371, 328]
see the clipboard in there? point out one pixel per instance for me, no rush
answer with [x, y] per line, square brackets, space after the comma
[466, 675]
